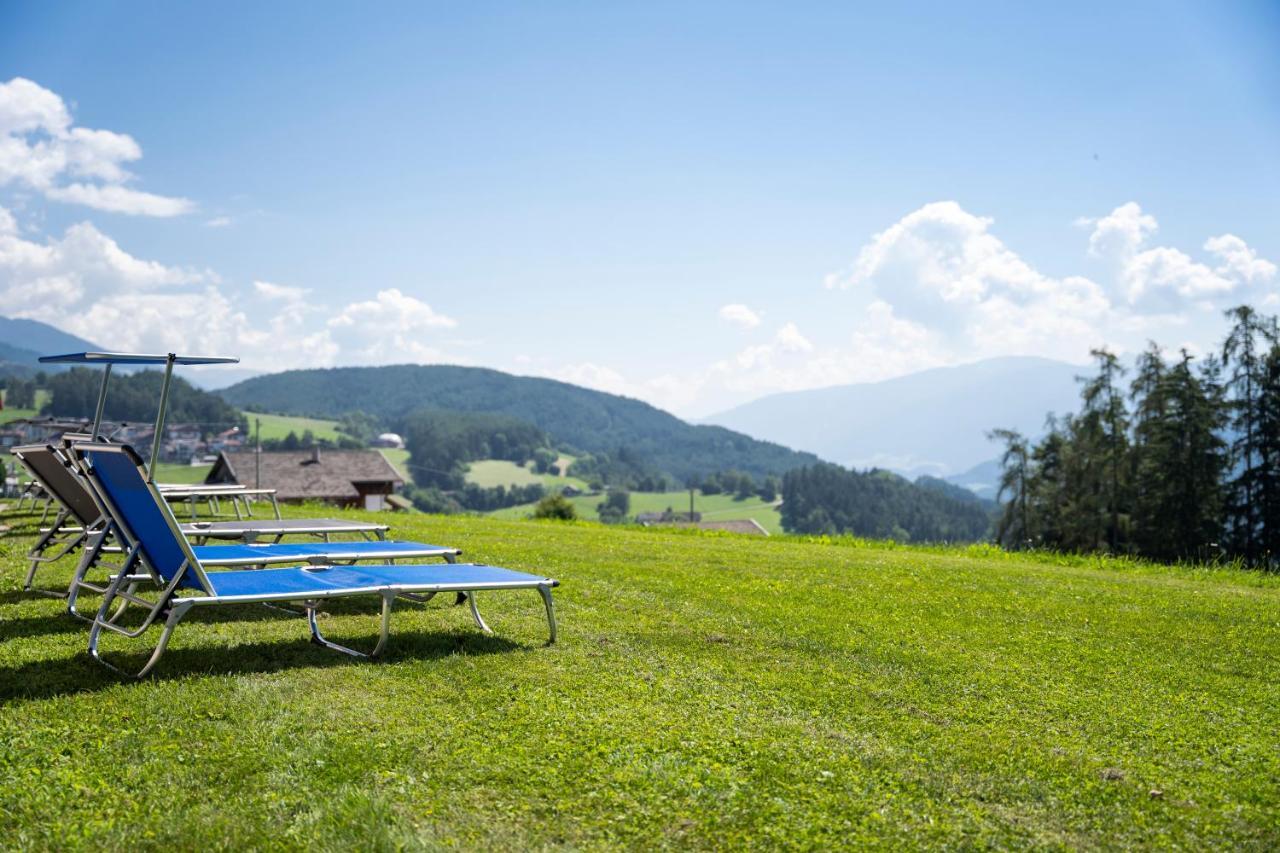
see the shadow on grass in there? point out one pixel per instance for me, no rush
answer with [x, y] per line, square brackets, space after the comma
[62, 622]
[47, 679]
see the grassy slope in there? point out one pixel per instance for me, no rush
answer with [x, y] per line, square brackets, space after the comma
[399, 460]
[168, 472]
[708, 691]
[278, 426]
[500, 472]
[712, 507]
[42, 397]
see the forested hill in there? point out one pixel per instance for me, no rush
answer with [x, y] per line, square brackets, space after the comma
[588, 420]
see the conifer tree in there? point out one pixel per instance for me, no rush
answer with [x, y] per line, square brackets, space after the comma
[1013, 530]
[1151, 451]
[1179, 459]
[1048, 486]
[1268, 482]
[1243, 355]
[1102, 437]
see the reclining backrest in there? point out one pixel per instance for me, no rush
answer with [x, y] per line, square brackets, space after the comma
[51, 471]
[116, 472]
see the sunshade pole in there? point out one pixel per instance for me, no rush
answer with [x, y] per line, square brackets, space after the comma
[164, 402]
[102, 402]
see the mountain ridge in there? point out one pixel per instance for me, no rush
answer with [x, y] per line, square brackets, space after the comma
[589, 420]
[932, 422]
[23, 341]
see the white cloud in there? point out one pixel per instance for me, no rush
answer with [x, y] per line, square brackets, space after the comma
[280, 292]
[940, 268]
[25, 106]
[1120, 232]
[117, 199]
[85, 283]
[940, 287]
[219, 222]
[1238, 261]
[41, 150]
[740, 315]
[789, 339]
[591, 375]
[391, 327]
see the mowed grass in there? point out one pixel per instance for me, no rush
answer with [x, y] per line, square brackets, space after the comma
[501, 472]
[172, 472]
[279, 426]
[708, 691]
[713, 507]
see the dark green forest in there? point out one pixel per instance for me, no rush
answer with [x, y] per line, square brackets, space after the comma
[134, 397]
[441, 444]
[628, 438]
[1177, 458]
[828, 499]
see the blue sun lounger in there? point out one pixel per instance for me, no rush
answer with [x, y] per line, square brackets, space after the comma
[158, 553]
[82, 522]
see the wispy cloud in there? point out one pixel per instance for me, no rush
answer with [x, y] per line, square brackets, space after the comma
[41, 149]
[740, 315]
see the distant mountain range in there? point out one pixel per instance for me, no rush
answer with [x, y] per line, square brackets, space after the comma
[932, 422]
[638, 434]
[22, 342]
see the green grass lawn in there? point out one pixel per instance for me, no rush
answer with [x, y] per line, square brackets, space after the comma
[171, 472]
[713, 507]
[279, 426]
[708, 691]
[500, 472]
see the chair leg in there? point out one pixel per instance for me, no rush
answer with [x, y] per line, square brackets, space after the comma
[475, 613]
[92, 553]
[545, 592]
[176, 612]
[383, 633]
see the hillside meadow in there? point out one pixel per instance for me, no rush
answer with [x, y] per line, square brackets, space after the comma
[279, 426]
[719, 507]
[489, 473]
[708, 691]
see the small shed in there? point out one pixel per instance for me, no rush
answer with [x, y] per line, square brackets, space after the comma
[349, 478]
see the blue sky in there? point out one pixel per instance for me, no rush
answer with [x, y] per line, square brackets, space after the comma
[691, 203]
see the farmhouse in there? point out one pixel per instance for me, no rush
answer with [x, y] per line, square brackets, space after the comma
[349, 478]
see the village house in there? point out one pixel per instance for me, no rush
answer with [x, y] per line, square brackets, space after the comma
[350, 478]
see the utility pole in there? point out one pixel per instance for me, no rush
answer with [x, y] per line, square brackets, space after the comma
[691, 504]
[257, 453]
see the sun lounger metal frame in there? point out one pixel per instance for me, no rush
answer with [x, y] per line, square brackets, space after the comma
[161, 555]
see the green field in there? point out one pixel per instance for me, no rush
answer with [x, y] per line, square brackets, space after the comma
[42, 397]
[171, 472]
[399, 460]
[279, 426]
[708, 691]
[499, 472]
[713, 507]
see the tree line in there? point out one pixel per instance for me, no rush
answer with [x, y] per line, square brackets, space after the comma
[441, 443]
[1177, 458]
[21, 393]
[134, 397]
[828, 499]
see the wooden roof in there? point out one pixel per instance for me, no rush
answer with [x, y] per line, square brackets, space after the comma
[297, 475]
